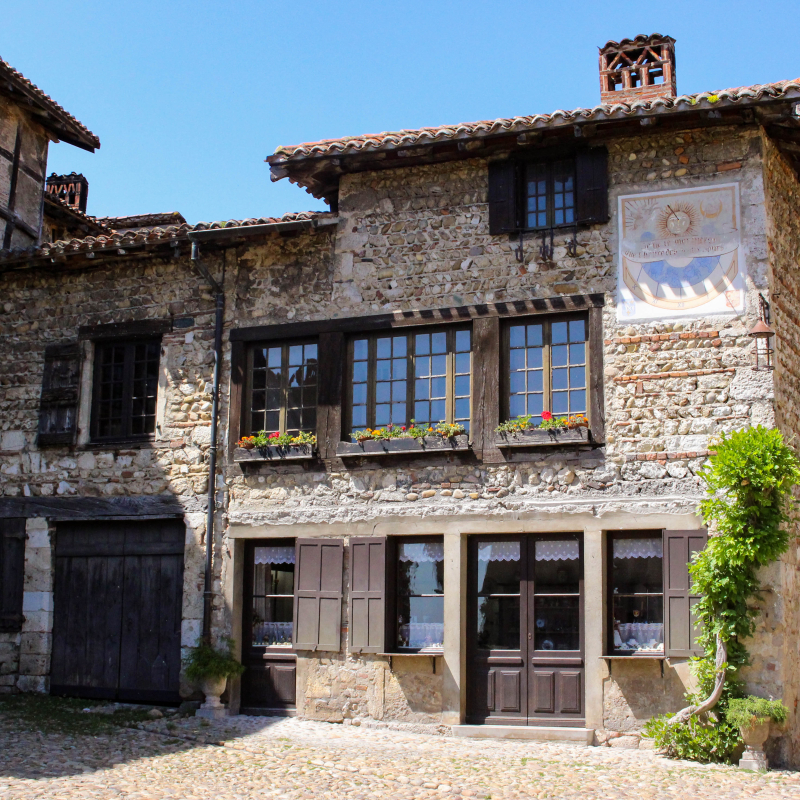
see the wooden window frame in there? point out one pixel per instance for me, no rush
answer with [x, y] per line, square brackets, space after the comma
[249, 596]
[549, 163]
[127, 398]
[393, 597]
[654, 533]
[547, 369]
[247, 389]
[410, 378]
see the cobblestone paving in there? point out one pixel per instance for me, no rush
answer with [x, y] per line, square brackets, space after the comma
[250, 757]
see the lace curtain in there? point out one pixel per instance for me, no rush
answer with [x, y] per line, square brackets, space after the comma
[420, 552]
[637, 548]
[274, 555]
[498, 551]
[558, 550]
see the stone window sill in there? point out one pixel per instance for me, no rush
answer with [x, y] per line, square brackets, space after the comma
[619, 657]
[272, 453]
[382, 447]
[542, 438]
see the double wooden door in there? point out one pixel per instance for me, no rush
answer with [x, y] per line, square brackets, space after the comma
[525, 630]
[117, 610]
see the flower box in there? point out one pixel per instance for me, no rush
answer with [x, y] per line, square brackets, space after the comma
[382, 447]
[540, 437]
[293, 452]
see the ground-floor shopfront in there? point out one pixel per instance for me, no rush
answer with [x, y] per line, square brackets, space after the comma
[564, 622]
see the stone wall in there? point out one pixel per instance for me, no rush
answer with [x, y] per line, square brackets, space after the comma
[33, 158]
[779, 625]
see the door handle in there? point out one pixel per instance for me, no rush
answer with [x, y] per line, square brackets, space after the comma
[529, 635]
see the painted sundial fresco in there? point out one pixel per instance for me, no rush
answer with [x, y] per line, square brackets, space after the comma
[680, 253]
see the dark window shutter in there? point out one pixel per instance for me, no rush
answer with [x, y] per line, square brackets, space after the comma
[12, 572]
[367, 594]
[502, 197]
[58, 408]
[591, 179]
[318, 594]
[680, 627]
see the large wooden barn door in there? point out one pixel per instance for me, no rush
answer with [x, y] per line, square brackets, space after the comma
[117, 610]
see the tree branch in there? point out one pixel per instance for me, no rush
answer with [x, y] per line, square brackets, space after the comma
[685, 714]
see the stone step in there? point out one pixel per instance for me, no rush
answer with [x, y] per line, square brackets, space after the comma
[534, 733]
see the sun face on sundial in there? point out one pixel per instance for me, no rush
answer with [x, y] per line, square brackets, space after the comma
[677, 219]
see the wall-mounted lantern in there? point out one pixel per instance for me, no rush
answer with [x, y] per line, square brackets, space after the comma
[762, 333]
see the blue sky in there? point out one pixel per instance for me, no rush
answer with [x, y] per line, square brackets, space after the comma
[188, 98]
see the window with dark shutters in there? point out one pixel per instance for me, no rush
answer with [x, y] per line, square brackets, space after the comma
[318, 594]
[12, 571]
[548, 192]
[680, 628]
[367, 594]
[58, 407]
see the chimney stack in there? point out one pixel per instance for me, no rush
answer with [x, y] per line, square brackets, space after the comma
[637, 69]
[73, 189]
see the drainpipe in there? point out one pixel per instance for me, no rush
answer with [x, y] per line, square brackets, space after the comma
[208, 583]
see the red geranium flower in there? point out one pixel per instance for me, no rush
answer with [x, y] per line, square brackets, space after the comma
[403, 428]
[274, 435]
[546, 415]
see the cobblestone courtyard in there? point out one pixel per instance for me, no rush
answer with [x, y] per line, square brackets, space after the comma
[87, 756]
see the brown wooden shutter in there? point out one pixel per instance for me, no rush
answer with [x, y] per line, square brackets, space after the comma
[12, 572]
[502, 197]
[58, 408]
[680, 627]
[591, 179]
[367, 594]
[318, 594]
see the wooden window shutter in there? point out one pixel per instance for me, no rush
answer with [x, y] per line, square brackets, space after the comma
[680, 625]
[591, 183]
[367, 594]
[502, 197]
[12, 572]
[58, 408]
[318, 594]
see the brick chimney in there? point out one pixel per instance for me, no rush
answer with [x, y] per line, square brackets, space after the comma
[637, 69]
[73, 189]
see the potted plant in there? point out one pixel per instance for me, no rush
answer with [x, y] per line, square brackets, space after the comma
[753, 715]
[263, 446]
[210, 669]
[522, 432]
[443, 436]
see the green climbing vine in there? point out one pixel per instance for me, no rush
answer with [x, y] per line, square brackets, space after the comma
[748, 511]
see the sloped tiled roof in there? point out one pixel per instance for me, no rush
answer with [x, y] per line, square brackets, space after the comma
[53, 205]
[390, 140]
[53, 116]
[137, 221]
[115, 241]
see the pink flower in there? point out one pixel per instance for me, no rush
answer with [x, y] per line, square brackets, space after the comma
[546, 415]
[274, 435]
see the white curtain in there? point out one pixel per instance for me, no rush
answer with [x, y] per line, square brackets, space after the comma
[420, 552]
[557, 550]
[638, 548]
[498, 551]
[274, 555]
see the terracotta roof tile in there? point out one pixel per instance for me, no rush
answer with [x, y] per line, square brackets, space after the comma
[389, 140]
[16, 81]
[120, 240]
[53, 200]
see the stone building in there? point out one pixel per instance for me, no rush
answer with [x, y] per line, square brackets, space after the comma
[606, 263]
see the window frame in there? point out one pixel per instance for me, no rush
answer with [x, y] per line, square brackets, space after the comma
[247, 389]
[250, 596]
[546, 320]
[392, 602]
[549, 162]
[644, 533]
[410, 378]
[128, 379]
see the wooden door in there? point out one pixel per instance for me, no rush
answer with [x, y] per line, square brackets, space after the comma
[117, 610]
[269, 682]
[555, 635]
[525, 630]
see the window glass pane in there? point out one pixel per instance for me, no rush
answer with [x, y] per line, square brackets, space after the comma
[420, 568]
[360, 394]
[438, 411]
[399, 369]
[420, 622]
[559, 355]
[295, 355]
[462, 412]
[499, 567]
[577, 401]
[360, 350]
[556, 623]
[439, 343]
[383, 393]
[560, 379]
[273, 587]
[516, 405]
[498, 623]
[462, 362]
[577, 353]
[383, 415]
[463, 341]
[399, 344]
[420, 589]
[557, 566]
[638, 624]
[462, 385]
[359, 417]
[516, 336]
[560, 403]
[526, 378]
[423, 344]
[360, 372]
[384, 348]
[558, 333]
[398, 413]
[577, 330]
[537, 195]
